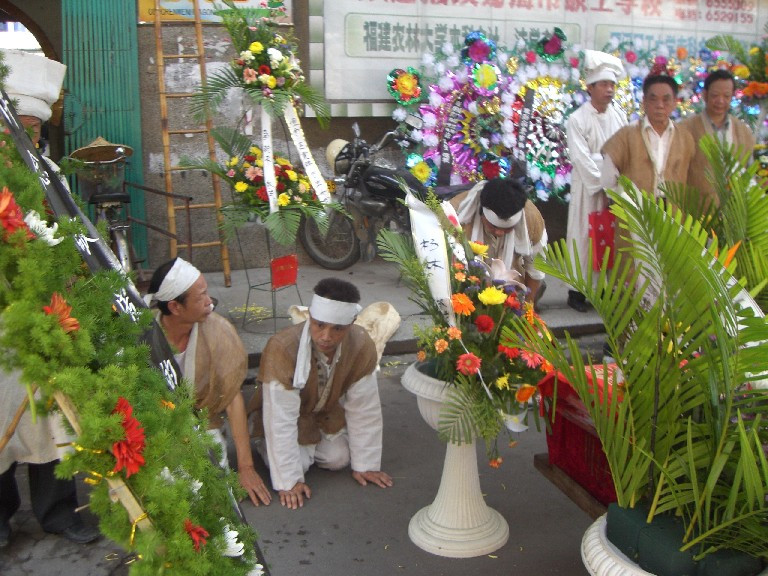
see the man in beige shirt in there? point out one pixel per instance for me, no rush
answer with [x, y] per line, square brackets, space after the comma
[715, 119]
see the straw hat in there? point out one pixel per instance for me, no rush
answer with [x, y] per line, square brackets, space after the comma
[100, 150]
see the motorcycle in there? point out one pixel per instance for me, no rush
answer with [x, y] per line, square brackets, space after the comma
[370, 190]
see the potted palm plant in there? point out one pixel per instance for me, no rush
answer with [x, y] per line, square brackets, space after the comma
[682, 428]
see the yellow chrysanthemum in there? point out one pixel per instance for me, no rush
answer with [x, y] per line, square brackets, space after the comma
[241, 187]
[284, 199]
[479, 248]
[741, 71]
[256, 47]
[421, 171]
[246, 165]
[271, 81]
[233, 161]
[255, 151]
[282, 161]
[292, 176]
[492, 296]
[502, 382]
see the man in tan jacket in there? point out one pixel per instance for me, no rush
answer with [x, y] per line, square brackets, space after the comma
[718, 91]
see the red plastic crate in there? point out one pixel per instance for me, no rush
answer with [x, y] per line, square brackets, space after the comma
[573, 443]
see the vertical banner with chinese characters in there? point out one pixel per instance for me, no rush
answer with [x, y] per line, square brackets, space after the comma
[366, 40]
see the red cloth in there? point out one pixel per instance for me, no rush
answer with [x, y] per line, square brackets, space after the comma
[602, 226]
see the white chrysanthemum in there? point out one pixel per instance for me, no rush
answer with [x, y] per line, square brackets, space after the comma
[462, 76]
[567, 197]
[435, 99]
[534, 172]
[447, 48]
[520, 43]
[440, 68]
[485, 144]
[507, 127]
[430, 120]
[472, 107]
[234, 547]
[663, 50]
[427, 59]
[543, 195]
[275, 56]
[166, 475]
[542, 69]
[501, 58]
[452, 60]
[258, 570]
[546, 179]
[638, 43]
[40, 229]
[416, 135]
[247, 56]
[508, 140]
[575, 74]
[560, 180]
[431, 140]
[446, 85]
[399, 114]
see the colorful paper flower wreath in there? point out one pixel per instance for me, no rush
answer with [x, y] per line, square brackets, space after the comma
[404, 86]
[423, 169]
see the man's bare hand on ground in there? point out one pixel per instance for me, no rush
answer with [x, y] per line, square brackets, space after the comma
[254, 485]
[381, 479]
[294, 498]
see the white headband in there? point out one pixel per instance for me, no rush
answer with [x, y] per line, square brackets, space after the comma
[179, 279]
[333, 311]
[510, 222]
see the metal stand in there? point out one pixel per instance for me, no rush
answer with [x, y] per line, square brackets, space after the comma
[283, 273]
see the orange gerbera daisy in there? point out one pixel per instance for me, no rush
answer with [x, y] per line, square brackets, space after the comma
[59, 307]
[462, 304]
[524, 393]
[468, 364]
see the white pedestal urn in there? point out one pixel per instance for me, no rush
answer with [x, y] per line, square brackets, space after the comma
[458, 523]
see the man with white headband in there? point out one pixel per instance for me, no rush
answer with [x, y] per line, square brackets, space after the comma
[587, 129]
[319, 399]
[211, 357]
[498, 213]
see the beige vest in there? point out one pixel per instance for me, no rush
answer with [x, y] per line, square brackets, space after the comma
[278, 362]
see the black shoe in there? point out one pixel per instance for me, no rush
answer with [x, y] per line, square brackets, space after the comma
[5, 535]
[577, 301]
[81, 533]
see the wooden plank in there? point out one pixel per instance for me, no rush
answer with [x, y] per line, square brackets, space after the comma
[568, 486]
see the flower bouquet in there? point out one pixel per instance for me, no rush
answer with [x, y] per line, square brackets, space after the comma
[492, 383]
[244, 172]
[266, 67]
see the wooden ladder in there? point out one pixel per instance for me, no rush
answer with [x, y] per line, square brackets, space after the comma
[213, 202]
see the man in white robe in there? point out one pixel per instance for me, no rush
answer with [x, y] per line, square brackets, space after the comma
[587, 129]
[319, 399]
[34, 85]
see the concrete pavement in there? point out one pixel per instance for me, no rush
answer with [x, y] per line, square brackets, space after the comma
[354, 530]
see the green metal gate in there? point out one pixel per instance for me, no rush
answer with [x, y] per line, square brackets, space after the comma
[100, 50]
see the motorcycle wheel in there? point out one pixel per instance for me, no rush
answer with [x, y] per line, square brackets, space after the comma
[338, 249]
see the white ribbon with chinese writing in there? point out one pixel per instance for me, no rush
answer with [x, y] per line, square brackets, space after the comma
[268, 158]
[429, 241]
[310, 168]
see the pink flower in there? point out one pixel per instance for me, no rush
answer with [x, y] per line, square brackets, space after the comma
[574, 62]
[530, 56]
[531, 359]
[253, 173]
[553, 45]
[249, 75]
[479, 51]
[630, 57]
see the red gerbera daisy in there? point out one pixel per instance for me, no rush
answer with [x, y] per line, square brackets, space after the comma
[468, 364]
